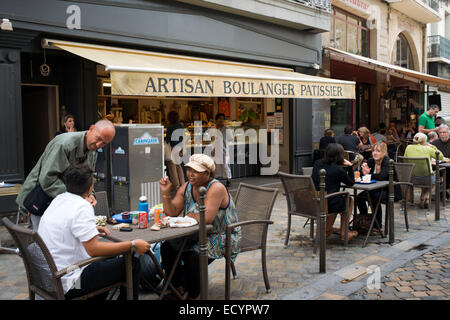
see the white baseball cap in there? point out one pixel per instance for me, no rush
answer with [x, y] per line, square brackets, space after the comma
[201, 163]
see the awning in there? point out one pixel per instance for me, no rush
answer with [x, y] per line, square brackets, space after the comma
[392, 69]
[145, 73]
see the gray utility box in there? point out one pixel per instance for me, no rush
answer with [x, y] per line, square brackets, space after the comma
[102, 172]
[137, 165]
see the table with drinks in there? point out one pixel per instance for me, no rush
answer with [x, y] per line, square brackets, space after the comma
[366, 184]
[139, 229]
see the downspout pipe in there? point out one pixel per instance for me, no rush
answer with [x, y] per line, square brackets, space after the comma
[424, 60]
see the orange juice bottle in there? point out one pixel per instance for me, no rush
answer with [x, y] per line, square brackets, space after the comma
[158, 215]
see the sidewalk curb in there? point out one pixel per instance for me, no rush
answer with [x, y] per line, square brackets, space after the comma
[330, 286]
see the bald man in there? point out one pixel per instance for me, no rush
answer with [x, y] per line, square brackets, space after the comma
[64, 150]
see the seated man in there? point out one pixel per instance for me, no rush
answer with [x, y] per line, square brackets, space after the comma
[69, 231]
[443, 145]
[432, 136]
[350, 142]
[379, 134]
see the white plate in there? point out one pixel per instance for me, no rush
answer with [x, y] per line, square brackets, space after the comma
[182, 222]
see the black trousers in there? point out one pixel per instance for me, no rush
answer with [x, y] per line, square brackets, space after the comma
[187, 272]
[447, 178]
[104, 273]
[361, 202]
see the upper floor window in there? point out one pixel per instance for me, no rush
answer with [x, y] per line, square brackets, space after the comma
[402, 55]
[349, 33]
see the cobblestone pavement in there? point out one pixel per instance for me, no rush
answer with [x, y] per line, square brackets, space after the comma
[424, 278]
[292, 268]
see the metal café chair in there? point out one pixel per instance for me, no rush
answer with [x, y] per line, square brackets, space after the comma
[44, 279]
[304, 200]
[404, 174]
[400, 151]
[350, 156]
[423, 178]
[307, 171]
[254, 207]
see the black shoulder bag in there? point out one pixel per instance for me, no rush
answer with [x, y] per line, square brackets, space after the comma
[37, 201]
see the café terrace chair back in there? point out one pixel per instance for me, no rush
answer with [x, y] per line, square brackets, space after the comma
[350, 156]
[422, 176]
[307, 171]
[404, 174]
[43, 277]
[302, 200]
[254, 207]
[102, 206]
[400, 150]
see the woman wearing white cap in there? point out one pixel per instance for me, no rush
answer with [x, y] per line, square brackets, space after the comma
[220, 212]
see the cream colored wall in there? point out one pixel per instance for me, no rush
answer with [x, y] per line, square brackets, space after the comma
[413, 31]
[389, 24]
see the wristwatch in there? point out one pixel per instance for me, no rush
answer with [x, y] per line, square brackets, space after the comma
[133, 246]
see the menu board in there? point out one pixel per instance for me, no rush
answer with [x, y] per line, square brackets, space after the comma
[275, 121]
[271, 121]
[279, 120]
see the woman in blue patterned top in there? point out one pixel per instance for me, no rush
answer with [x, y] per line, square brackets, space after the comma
[220, 211]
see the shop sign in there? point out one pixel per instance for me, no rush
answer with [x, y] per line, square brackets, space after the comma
[146, 138]
[119, 150]
[358, 4]
[151, 84]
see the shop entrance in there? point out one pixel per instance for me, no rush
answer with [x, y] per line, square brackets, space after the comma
[362, 103]
[40, 121]
[341, 115]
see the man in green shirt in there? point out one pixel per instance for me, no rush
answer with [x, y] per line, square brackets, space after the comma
[60, 153]
[426, 120]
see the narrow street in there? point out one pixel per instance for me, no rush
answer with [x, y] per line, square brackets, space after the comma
[415, 267]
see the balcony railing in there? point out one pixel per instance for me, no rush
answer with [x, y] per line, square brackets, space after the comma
[438, 47]
[324, 5]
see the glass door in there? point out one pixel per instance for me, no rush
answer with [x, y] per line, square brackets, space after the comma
[341, 115]
[362, 104]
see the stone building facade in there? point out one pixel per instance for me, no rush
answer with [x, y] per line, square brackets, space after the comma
[377, 35]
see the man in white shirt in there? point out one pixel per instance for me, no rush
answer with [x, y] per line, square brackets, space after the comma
[69, 231]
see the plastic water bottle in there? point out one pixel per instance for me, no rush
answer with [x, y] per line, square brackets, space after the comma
[143, 204]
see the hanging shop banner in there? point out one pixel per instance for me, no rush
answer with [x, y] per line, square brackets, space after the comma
[145, 73]
[154, 84]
